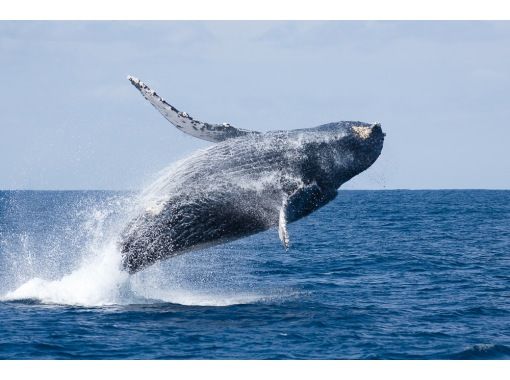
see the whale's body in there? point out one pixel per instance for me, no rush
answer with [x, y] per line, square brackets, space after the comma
[246, 183]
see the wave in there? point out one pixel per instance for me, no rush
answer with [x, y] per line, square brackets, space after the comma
[483, 351]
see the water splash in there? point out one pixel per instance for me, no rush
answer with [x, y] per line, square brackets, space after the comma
[98, 281]
[86, 238]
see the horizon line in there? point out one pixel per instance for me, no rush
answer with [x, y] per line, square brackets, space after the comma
[340, 189]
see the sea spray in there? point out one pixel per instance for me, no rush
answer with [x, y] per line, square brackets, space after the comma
[97, 282]
[83, 236]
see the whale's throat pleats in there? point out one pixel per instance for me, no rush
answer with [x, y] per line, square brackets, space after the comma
[184, 122]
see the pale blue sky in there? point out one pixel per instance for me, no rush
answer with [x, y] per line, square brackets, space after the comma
[69, 119]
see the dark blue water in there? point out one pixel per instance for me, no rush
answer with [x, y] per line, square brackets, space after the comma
[374, 274]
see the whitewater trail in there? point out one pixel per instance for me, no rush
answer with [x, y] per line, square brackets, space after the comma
[100, 282]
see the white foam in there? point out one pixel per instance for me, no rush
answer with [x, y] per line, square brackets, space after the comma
[97, 282]
[93, 286]
[190, 297]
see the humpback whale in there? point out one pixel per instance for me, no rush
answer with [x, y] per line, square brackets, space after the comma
[245, 183]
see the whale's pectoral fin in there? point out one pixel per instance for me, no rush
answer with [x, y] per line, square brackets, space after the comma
[184, 122]
[299, 203]
[283, 233]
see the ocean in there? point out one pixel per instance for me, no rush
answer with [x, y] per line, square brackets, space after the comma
[372, 275]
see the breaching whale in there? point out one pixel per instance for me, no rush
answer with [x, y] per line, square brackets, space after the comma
[246, 183]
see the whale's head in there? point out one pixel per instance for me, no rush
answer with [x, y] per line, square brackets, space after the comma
[365, 143]
[336, 152]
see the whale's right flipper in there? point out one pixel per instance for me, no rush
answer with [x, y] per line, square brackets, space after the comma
[184, 122]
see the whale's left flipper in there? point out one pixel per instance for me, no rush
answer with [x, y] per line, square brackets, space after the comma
[204, 131]
[283, 233]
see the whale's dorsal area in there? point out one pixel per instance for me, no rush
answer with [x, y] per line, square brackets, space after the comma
[184, 122]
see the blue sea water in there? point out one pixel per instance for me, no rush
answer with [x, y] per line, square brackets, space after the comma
[372, 275]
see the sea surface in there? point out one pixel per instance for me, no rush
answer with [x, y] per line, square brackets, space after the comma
[372, 275]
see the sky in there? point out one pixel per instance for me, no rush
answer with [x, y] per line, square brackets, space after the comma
[69, 119]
